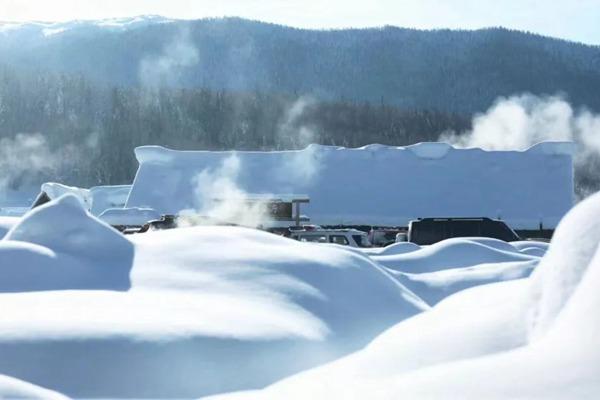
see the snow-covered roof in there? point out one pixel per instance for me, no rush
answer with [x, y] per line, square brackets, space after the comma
[375, 184]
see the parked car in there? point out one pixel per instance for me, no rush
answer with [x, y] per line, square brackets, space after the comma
[345, 237]
[381, 237]
[427, 231]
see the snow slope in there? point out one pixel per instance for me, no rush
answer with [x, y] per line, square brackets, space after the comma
[209, 309]
[453, 253]
[529, 338]
[6, 223]
[411, 181]
[11, 388]
[60, 246]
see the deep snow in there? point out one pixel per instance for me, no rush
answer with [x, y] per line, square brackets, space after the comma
[207, 310]
[11, 388]
[528, 338]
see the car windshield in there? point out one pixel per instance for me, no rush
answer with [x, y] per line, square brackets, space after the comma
[361, 240]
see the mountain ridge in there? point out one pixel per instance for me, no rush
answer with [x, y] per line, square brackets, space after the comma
[461, 71]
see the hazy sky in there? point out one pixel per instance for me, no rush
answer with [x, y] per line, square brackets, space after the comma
[571, 19]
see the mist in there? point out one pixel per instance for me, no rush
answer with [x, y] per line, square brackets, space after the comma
[26, 159]
[518, 122]
[165, 69]
[220, 199]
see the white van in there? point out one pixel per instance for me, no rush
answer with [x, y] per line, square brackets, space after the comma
[344, 237]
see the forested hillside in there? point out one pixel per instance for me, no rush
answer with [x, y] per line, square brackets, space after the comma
[455, 71]
[61, 127]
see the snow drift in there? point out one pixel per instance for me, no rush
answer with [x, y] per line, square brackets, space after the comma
[453, 253]
[61, 246]
[11, 388]
[529, 338]
[210, 309]
[428, 179]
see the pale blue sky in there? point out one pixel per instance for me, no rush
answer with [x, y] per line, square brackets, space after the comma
[571, 19]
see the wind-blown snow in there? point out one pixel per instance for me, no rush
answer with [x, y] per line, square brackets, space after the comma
[528, 338]
[210, 309]
[453, 253]
[424, 180]
[61, 246]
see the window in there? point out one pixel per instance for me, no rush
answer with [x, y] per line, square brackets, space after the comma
[313, 238]
[361, 240]
[339, 239]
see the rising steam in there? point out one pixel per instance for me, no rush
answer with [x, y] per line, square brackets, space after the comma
[26, 159]
[518, 122]
[166, 68]
[220, 200]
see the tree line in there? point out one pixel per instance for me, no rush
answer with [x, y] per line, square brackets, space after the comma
[91, 129]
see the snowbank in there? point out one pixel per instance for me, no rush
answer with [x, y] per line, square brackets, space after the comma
[6, 223]
[60, 246]
[411, 181]
[436, 286]
[210, 310]
[11, 388]
[396, 248]
[529, 338]
[453, 253]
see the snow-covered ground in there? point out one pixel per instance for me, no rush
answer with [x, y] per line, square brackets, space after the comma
[527, 338]
[203, 311]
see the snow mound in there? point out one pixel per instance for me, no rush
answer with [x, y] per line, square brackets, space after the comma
[534, 251]
[573, 246]
[61, 246]
[210, 310]
[528, 338]
[11, 388]
[6, 223]
[435, 286]
[453, 253]
[396, 248]
[525, 244]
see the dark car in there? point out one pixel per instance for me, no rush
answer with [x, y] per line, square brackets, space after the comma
[426, 231]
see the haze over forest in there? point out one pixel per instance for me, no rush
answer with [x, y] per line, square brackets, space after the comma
[87, 93]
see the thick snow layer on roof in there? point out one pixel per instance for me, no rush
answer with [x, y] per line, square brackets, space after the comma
[210, 309]
[96, 199]
[529, 338]
[375, 184]
[129, 216]
[55, 190]
[107, 197]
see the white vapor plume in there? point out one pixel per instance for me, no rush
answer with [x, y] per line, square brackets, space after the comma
[165, 69]
[24, 157]
[303, 167]
[519, 122]
[291, 129]
[221, 200]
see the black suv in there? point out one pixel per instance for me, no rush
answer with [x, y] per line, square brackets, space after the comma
[426, 231]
